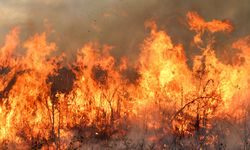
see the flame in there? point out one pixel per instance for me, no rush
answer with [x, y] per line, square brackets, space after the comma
[199, 25]
[166, 95]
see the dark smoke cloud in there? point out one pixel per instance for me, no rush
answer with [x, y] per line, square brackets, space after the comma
[117, 22]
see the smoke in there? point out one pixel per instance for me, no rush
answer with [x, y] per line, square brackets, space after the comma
[120, 23]
[116, 22]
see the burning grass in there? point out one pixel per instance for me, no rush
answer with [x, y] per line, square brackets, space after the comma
[97, 102]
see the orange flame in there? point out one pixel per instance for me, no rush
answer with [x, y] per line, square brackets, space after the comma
[169, 97]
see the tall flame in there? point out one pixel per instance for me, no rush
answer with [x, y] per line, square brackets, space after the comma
[163, 96]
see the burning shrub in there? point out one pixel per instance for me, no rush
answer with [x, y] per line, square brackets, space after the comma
[158, 103]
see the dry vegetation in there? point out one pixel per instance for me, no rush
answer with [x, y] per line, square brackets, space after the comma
[102, 103]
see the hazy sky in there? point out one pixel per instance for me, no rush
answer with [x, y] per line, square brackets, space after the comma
[117, 22]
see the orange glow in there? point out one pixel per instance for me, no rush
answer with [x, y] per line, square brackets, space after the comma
[166, 96]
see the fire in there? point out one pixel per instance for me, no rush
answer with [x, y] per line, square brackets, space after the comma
[160, 98]
[199, 25]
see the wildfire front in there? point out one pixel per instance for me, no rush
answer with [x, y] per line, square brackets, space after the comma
[168, 96]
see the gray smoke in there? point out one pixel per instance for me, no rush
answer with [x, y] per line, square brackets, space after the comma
[117, 22]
